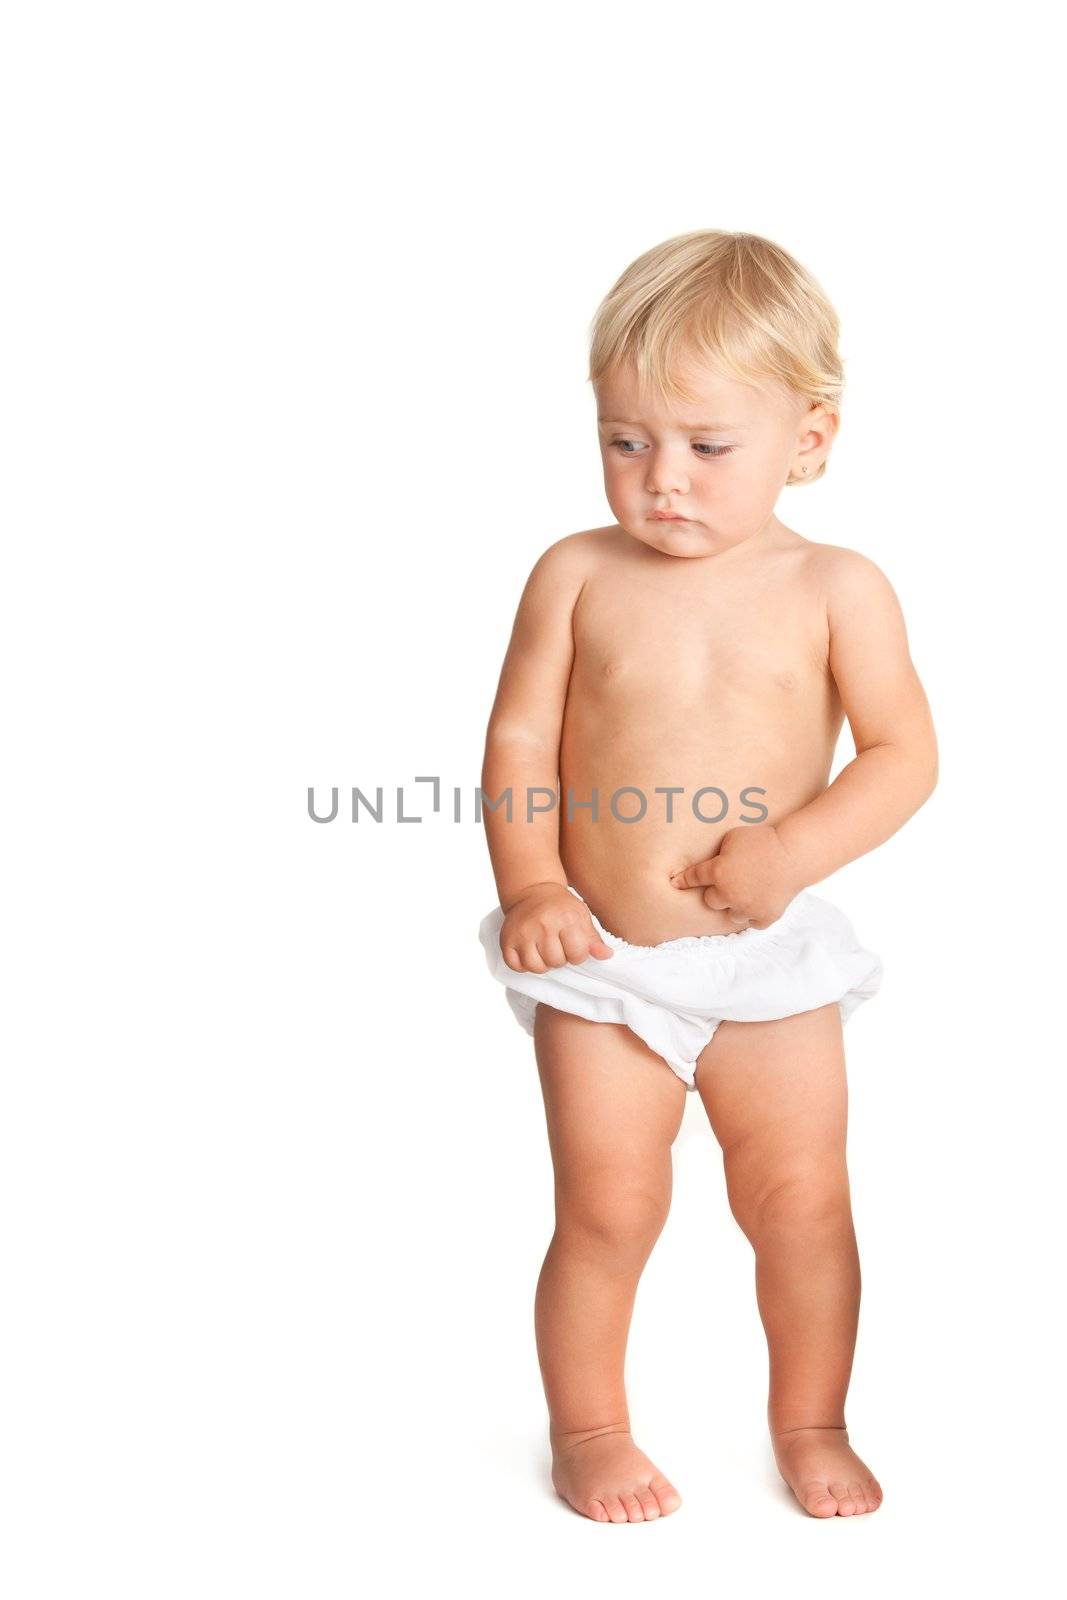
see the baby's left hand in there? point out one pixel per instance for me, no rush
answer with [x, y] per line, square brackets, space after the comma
[752, 877]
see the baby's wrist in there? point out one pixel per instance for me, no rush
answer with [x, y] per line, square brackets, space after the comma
[799, 865]
[508, 904]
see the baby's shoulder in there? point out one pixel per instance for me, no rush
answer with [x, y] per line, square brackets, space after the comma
[841, 570]
[853, 587]
[583, 553]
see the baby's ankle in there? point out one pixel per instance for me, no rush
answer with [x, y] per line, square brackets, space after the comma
[565, 1439]
[810, 1429]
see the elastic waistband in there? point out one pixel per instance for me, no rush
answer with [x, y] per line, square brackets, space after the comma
[799, 904]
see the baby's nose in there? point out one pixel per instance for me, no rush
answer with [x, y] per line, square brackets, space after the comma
[665, 476]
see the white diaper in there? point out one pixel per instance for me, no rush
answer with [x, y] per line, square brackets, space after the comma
[674, 995]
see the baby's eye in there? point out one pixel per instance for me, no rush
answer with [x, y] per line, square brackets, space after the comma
[710, 452]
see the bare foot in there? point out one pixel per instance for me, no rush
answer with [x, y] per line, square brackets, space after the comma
[606, 1477]
[825, 1473]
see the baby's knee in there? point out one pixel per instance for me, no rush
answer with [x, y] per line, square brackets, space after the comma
[812, 1199]
[616, 1214]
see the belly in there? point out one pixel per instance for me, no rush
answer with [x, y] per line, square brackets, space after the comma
[621, 861]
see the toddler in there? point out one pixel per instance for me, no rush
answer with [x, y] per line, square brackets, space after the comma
[658, 804]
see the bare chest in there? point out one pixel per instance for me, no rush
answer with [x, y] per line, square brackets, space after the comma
[662, 651]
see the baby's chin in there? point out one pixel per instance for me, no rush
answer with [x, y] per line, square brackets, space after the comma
[682, 539]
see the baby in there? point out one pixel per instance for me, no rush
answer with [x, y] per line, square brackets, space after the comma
[657, 805]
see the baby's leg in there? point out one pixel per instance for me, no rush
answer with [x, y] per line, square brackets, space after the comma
[613, 1110]
[776, 1096]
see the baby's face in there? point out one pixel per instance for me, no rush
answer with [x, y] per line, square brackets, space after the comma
[719, 462]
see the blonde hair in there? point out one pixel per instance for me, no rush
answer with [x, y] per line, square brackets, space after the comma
[736, 300]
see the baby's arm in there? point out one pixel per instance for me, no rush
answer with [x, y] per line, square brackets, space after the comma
[894, 770]
[544, 924]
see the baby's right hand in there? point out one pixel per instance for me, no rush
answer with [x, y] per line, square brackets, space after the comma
[547, 927]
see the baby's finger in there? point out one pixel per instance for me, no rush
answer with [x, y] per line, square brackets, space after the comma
[511, 957]
[551, 950]
[580, 944]
[715, 900]
[575, 942]
[688, 877]
[694, 877]
[530, 959]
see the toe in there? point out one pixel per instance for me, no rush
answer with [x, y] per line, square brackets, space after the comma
[839, 1490]
[666, 1494]
[632, 1506]
[615, 1508]
[874, 1493]
[649, 1503]
[597, 1510]
[816, 1498]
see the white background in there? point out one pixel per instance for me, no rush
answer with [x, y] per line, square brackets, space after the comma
[295, 306]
